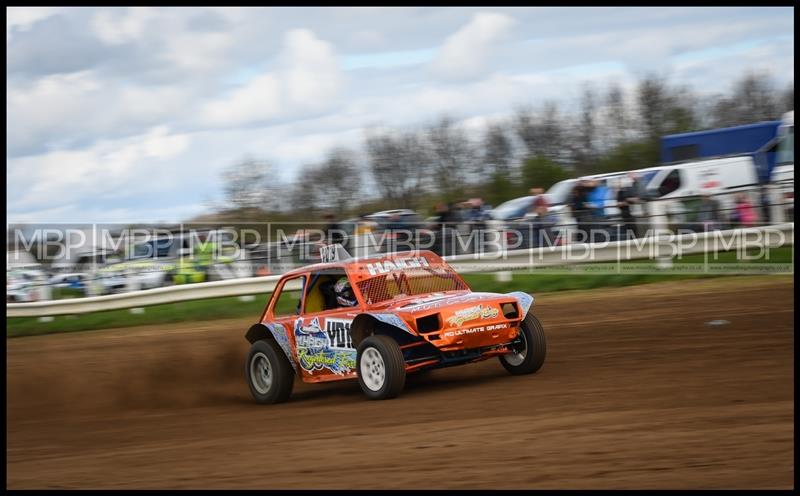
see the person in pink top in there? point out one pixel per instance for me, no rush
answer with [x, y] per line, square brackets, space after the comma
[745, 211]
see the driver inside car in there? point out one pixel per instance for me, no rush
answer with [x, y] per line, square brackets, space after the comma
[344, 293]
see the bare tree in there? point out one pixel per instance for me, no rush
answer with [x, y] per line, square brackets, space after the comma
[304, 192]
[498, 151]
[251, 183]
[338, 180]
[541, 132]
[583, 141]
[615, 117]
[552, 133]
[452, 157]
[754, 98]
[397, 165]
[653, 102]
[787, 98]
[757, 97]
[607, 132]
[527, 130]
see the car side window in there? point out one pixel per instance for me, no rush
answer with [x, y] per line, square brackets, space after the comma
[670, 183]
[288, 301]
[320, 295]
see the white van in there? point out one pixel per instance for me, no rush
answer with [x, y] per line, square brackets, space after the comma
[713, 176]
[783, 174]
[721, 177]
[783, 198]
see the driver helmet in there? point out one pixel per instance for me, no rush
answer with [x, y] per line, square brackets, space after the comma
[344, 293]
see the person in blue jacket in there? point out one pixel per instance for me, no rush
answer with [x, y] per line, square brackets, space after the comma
[597, 201]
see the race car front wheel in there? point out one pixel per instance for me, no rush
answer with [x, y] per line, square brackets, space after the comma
[381, 367]
[269, 373]
[530, 348]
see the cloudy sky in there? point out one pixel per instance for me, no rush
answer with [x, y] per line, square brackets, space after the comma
[130, 114]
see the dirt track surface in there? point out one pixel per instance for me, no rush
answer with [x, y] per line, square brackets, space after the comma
[637, 392]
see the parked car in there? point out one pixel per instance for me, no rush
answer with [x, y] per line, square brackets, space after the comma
[400, 229]
[70, 284]
[26, 280]
[26, 285]
[164, 260]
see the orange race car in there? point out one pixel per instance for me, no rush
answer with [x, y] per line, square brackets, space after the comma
[378, 319]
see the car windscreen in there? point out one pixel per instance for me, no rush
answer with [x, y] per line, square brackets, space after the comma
[407, 221]
[409, 282]
[648, 176]
[512, 208]
[786, 148]
[671, 182]
[559, 192]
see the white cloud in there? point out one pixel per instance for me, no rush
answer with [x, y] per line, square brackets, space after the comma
[197, 51]
[21, 18]
[306, 79]
[62, 108]
[368, 38]
[465, 52]
[108, 169]
[115, 28]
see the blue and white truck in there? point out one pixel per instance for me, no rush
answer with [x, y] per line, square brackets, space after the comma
[726, 161]
[747, 140]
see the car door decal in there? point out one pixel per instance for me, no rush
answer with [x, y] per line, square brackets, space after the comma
[324, 344]
[279, 333]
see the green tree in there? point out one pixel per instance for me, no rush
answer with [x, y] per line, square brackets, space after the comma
[541, 172]
[500, 188]
[628, 156]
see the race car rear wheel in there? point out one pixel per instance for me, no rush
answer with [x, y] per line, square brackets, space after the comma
[381, 367]
[269, 373]
[530, 348]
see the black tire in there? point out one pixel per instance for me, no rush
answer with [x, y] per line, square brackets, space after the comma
[281, 375]
[393, 367]
[535, 348]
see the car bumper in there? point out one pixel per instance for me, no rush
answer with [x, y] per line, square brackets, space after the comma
[476, 337]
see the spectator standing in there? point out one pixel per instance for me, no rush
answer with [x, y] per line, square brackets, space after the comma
[476, 212]
[333, 232]
[476, 216]
[542, 222]
[765, 203]
[442, 217]
[626, 196]
[708, 212]
[541, 206]
[581, 209]
[597, 201]
[745, 212]
[638, 196]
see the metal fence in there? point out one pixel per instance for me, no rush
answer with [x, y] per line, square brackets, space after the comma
[659, 245]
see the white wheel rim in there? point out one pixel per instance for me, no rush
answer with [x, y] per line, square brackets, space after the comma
[516, 359]
[261, 373]
[373, 370]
